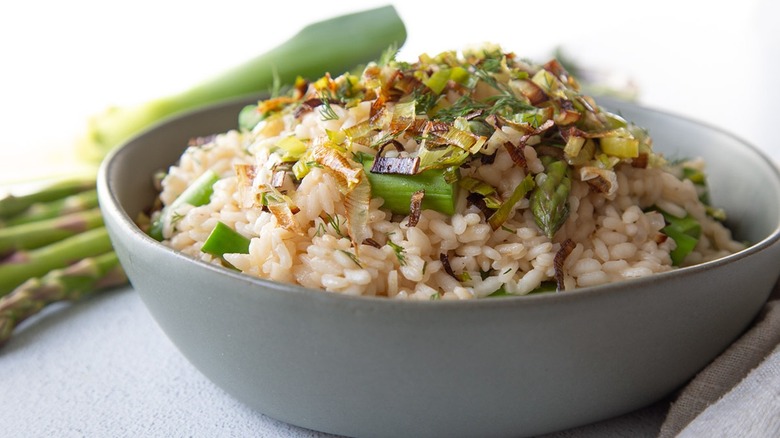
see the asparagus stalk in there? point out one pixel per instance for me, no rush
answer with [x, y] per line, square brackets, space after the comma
[60, 207]
[198, 193]
[90, 275]
[334, 45]
[225, 240]
[12, 205]
[397, 190]
[37, 234]
[23, 265]
[550, 198]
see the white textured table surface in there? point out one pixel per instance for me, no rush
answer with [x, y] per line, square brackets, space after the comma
[102, 367]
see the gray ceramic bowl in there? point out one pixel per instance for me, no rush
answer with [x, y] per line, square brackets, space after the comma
[500, 367]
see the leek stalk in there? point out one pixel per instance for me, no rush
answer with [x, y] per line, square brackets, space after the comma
[334, 45]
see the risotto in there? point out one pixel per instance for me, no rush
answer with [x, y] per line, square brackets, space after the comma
[460, 176]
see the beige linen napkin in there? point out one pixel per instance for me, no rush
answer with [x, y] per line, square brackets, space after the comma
[738, 394]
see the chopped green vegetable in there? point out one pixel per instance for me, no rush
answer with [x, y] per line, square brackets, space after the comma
[488, 192]
[685, 231]
[249, 117]
[546, 286]
[550, 198]
[622, 147]
[198, 193]
[397, 190]
[501, 215]
[225, 240]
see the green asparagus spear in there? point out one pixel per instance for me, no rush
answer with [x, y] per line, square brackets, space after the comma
[198, 193]
[12, 205]
[550, 198]
[60, 207]
[23, 265]
[90, 275]
[225, 240]
[37, 234]
[334, 45]
[397, 190]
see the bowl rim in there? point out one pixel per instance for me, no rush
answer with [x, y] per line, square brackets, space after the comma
[112, 206]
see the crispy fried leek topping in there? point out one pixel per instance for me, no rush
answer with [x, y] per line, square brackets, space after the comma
[445, 114]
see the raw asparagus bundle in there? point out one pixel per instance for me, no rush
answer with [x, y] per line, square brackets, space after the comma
[90, 275]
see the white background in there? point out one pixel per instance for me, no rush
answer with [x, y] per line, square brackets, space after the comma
[62, 61]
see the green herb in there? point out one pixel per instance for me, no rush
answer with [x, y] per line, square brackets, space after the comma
[400, 252]
[685, 231]
[335, 223]
[352, 257]
[326, 111]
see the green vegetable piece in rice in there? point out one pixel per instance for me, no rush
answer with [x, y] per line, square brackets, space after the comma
[475, 161]
[549, 201]
[685, 231]
[225, 240]
[502, 214]
[397, 190]
[198, 193]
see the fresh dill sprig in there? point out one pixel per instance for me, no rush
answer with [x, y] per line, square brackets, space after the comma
[352, 257]
[462, 107]
[321, 230]
[400, 252]
[326, 111]
[335, 223]
[492, 65]
[424, 100]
